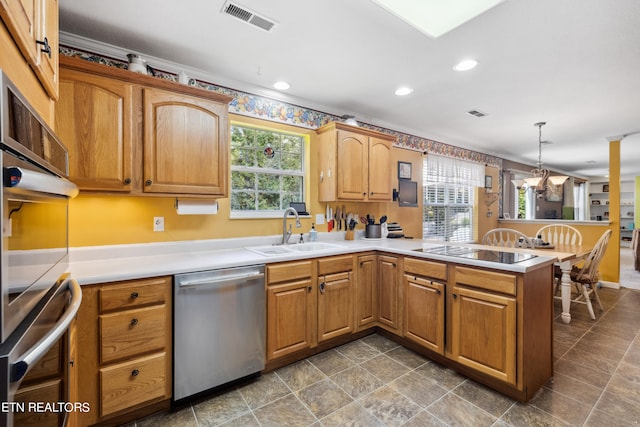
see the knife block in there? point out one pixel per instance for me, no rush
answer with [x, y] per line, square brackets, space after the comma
[348, 235]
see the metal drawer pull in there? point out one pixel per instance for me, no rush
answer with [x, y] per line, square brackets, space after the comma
[134, 295]
[134, 322]
[321, 287]
[135, 373]
[46, 48]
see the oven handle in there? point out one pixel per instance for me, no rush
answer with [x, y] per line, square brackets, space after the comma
[20, 368]
[38, 181]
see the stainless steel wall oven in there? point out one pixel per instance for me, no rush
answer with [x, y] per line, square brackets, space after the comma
[38, 298]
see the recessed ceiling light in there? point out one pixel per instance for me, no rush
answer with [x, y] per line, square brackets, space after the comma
[402, 91]
[281, 85]
[465, 65]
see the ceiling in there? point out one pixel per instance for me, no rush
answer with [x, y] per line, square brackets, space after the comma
[574, 64]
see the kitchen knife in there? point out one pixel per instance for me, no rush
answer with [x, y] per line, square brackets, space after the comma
[339, 217]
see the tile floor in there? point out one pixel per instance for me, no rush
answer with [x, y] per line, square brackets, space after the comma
[375, 382]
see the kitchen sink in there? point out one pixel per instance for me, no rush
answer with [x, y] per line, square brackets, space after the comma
[313, 246]
[287, 249]
[269, 250]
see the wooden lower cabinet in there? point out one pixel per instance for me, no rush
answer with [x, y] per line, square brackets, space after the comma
[124, 366]
[483, 331]
[291, 308]
[424, 312]
[335, 297]
[308, 302]
[366, 295]
[389, 305]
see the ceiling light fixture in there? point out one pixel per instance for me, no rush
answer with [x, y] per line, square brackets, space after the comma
[541, 178]
[402, 91]
[465, 65]
[281, 85]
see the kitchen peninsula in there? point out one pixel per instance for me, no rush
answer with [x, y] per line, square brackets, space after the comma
[491, 320]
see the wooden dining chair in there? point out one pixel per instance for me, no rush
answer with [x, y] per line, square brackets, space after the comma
[507, 237]
[560, 234]
[586, 276]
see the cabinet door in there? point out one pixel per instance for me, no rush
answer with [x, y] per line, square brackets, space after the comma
[353, 165]
[380, 169]
[366, 296]
[424, 312]
[21, 18]
[185, 144]
[94, 117]
[483, 331]
[388, 293]
[31, 22]
[291, 314]
[335, 309]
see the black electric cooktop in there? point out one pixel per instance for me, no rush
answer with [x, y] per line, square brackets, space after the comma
[478, 254]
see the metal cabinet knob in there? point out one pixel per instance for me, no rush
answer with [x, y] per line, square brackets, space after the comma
[321, 287]
[148, 182]
[135, 373]
[127, 181]
[134, 322]
[134, 295]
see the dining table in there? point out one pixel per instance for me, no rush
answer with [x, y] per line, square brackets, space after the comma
[566, 257]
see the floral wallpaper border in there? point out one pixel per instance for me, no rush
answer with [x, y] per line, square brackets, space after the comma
[273, 110]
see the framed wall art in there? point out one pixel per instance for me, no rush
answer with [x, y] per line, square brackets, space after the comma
[404, 170]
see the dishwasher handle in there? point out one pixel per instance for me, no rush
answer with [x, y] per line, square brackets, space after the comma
[220, 280]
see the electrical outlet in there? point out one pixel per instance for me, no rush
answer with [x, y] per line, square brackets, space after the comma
[158, 223]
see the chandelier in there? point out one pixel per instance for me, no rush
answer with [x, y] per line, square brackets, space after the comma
[541, 178]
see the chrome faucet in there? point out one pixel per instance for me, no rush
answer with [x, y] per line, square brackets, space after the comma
[287, 234]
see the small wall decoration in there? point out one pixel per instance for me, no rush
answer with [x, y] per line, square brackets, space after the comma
[605, 188]
[488, 182]
[404, 170]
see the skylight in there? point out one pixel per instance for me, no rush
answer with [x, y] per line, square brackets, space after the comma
[437, 17]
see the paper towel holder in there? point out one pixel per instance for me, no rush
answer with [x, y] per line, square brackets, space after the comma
[214, 205]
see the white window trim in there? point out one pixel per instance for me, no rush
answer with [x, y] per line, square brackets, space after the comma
[304, 174]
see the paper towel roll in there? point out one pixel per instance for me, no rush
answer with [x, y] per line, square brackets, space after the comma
[197, 207]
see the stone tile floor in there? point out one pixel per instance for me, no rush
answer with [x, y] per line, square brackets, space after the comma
[375, 382]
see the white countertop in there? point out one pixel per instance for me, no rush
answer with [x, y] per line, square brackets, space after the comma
[100, 264]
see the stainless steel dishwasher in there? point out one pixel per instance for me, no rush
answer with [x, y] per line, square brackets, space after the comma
[219, 328]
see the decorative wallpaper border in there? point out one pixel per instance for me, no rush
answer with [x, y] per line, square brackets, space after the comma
[261, 107]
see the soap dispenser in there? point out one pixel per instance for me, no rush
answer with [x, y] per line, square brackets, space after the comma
[313, 234]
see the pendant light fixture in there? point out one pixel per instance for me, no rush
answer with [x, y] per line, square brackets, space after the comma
[541, 178]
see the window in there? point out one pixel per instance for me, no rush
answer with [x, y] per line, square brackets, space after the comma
[267, 171]
[449, 186]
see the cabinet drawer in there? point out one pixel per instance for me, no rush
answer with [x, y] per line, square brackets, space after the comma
[288, 271]
[132, 332]
[492, 281]
[437, 270]
[133, 294]
[128, 384]
[336, 264]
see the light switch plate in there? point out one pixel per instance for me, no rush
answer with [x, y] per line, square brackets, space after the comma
[319, 219]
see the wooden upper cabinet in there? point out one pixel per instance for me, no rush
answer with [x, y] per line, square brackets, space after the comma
[129, 133]
[94, 121]
[354, 164]
[34, 27]
[185, 144]
[380, 187]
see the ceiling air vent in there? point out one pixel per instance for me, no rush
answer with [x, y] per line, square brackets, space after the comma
[477, 113]
[248, 16]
